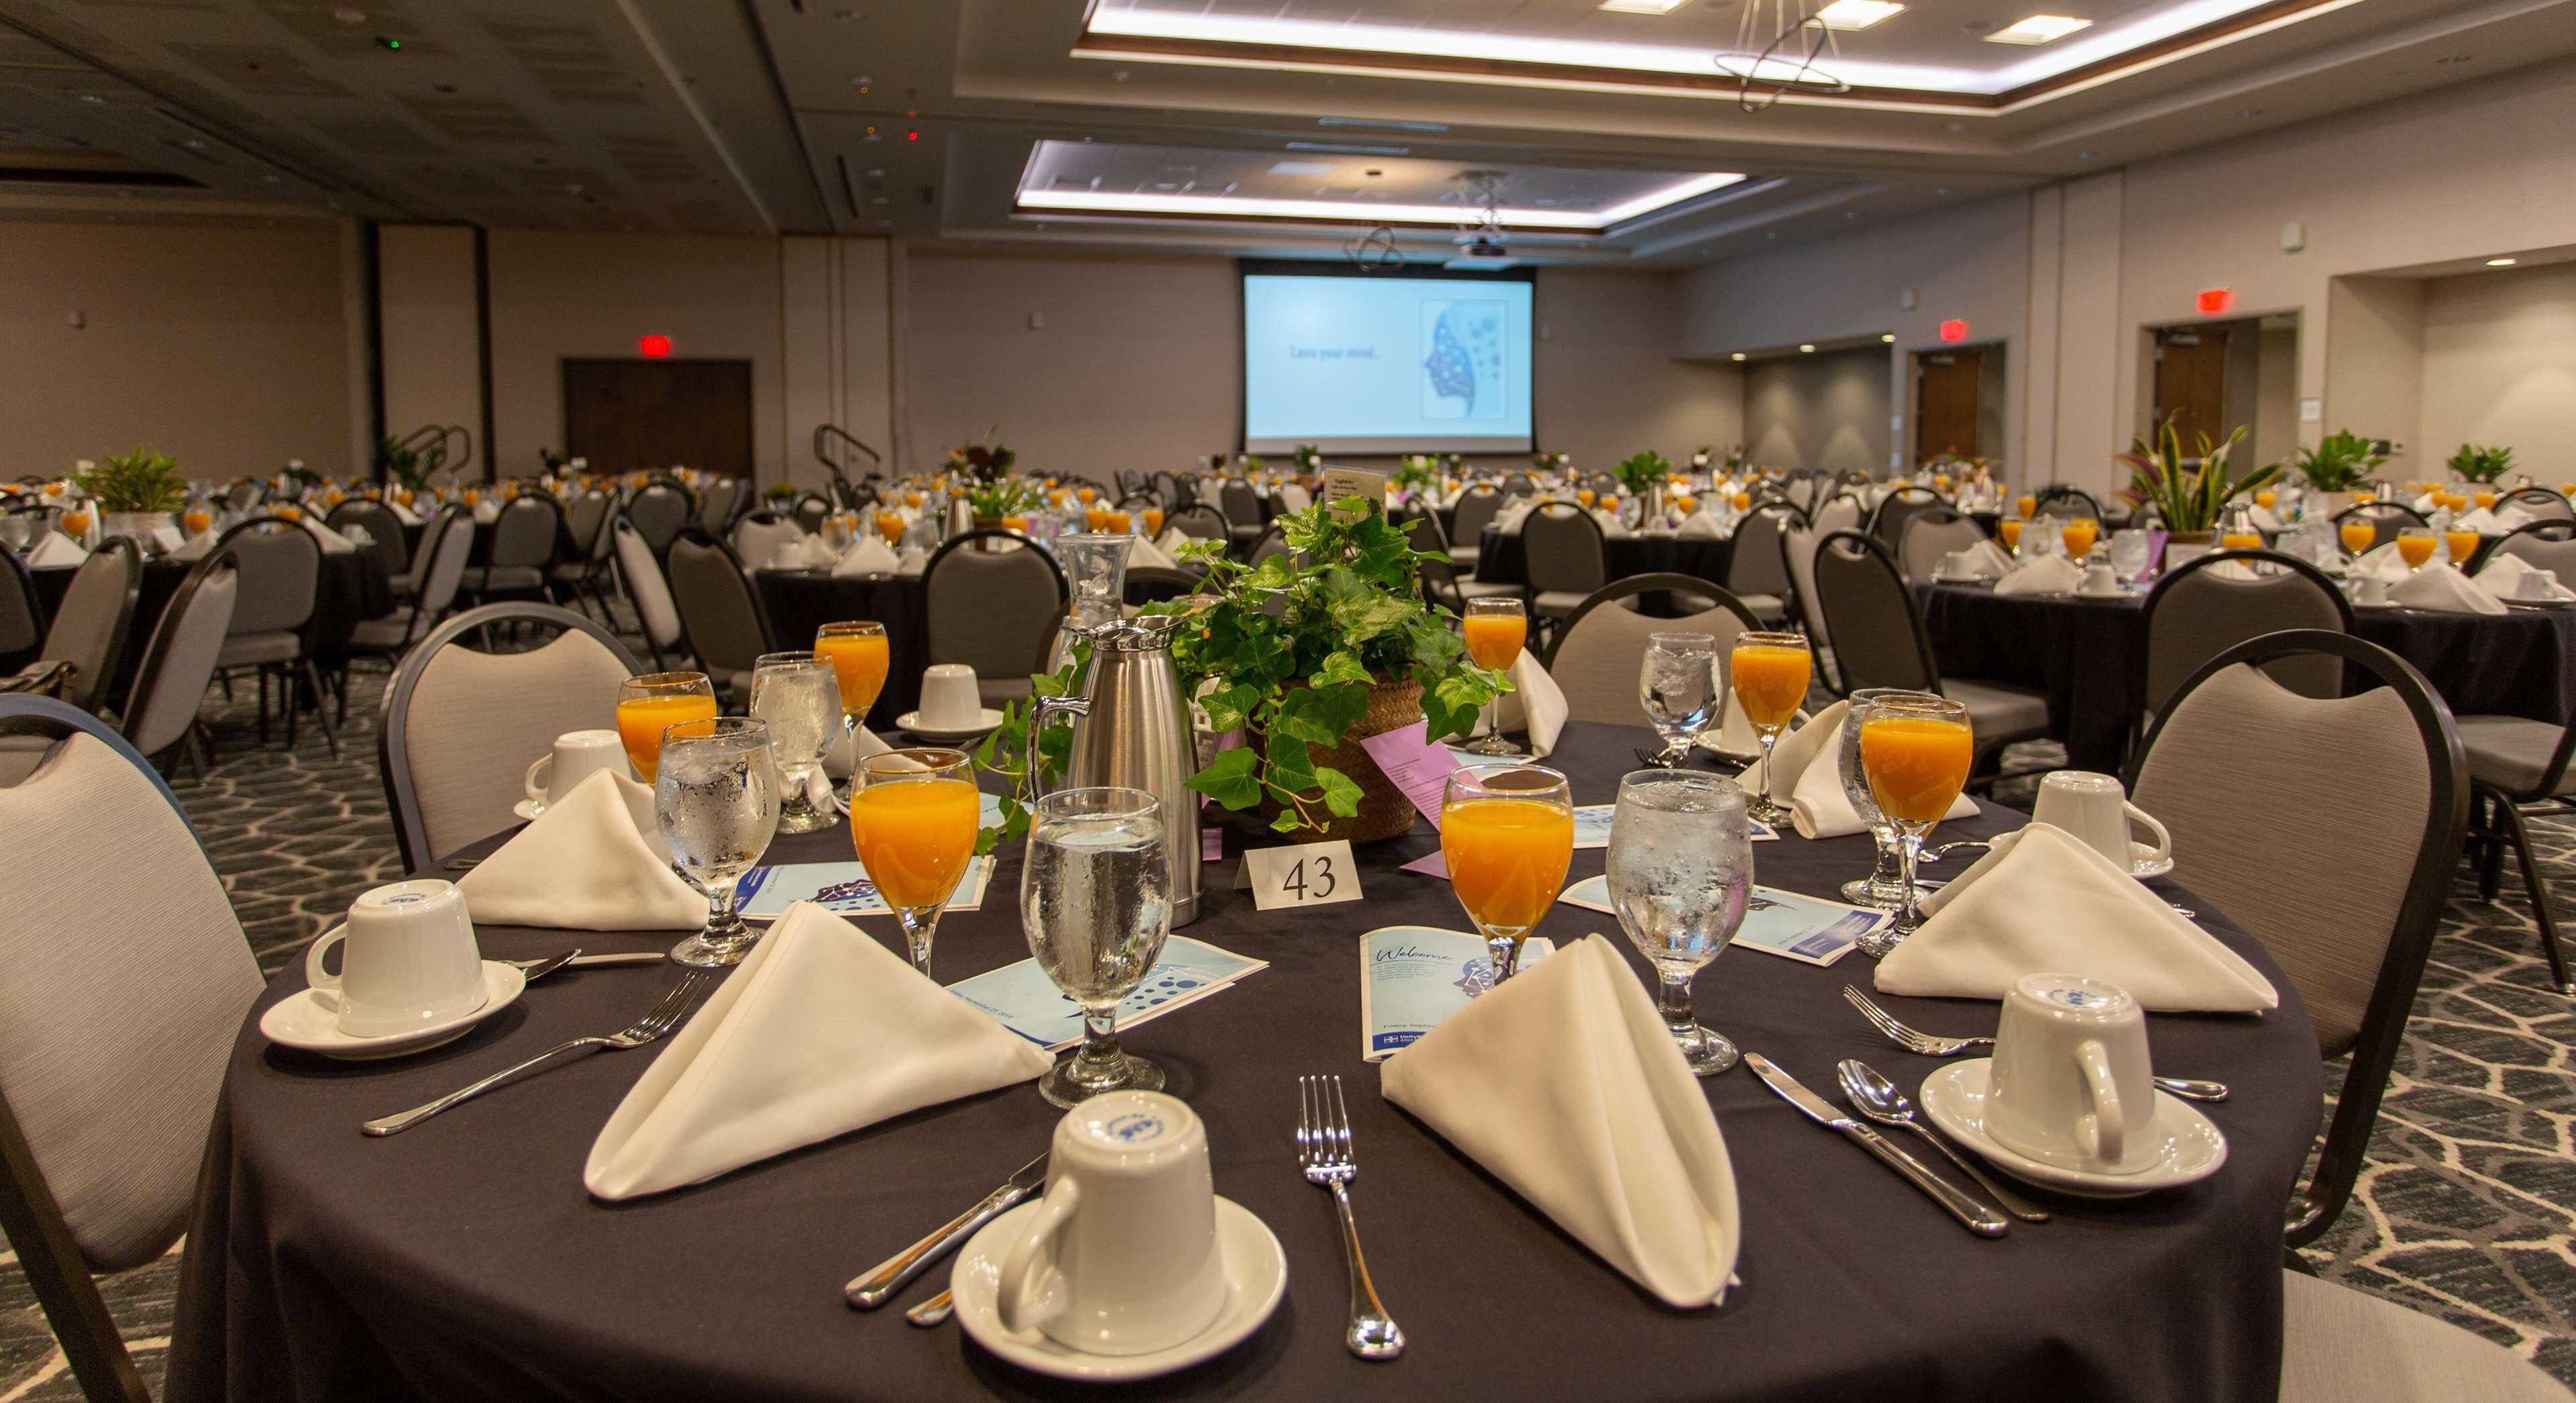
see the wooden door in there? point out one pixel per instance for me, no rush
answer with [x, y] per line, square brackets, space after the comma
[1945, 402]
[623, 415]
[2191, 383]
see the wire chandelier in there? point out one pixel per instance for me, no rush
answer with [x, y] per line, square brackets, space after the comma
[1777, 43]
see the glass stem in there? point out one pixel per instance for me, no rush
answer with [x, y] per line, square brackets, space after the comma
[1100, 1037]
[1505, 952]
[1909, 847]
[1891, 865]
[1673, 1000]
[918, 927]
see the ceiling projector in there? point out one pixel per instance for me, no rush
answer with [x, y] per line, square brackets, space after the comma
[1481, 251]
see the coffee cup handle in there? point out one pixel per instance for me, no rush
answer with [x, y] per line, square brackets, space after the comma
[2164, 840]
[536, 785]
[1019, 1307]
[2109, 1127]
[325, 984]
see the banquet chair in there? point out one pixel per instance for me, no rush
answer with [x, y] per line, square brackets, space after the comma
[1798, 562]
[461, 725]
[1272, 541]
[2539, 502]
[2347, 909]
[22, 611]
[2549, 545]
[1519, 484]
[522, 550]
[2342, 1345]
[1757, 574]
[1888, 521]
[660, 509]
[1801, 491]
[721, 621]
[281, 572]
[384, 532]
[2199, 610]
[445, 545]
[993, 610]
[119, 1045]
[639, 572]
[1600, 649]
[1932, 534]
[2386, 520]
[87, 637]
[1198, 521]
[808, 512]
[2076, 501]
[1439, 581]
[1168, 486]
[1293, 497]
[723, 505]
[1561, 545]
[1242, 509]
[577, 576]
[1879, 641]
[160, 711]
[759, 535]
[1152, 584]
[1139, 502]
[2518, 768]
[1477, 507]
[1840, 512]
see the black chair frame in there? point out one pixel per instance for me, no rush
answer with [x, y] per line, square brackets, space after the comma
[1651, 582]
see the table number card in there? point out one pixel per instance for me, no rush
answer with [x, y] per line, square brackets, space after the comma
[1309, 874]
[1354, 482]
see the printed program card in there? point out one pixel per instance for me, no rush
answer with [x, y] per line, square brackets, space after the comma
[1808, 929]
[1411, 977]
[842, 888]
[1021, 997]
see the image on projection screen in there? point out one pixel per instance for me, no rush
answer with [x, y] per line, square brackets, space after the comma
[1385, 364]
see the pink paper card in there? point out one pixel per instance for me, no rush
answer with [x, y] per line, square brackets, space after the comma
[1433, 864]
[1414, 765]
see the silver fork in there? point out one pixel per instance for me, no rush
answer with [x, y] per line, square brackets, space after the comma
[665, 1016]
[1915, 1040]
[1324, 1149]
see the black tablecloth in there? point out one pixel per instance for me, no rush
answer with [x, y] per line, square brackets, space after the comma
[352, 586]
[463, 1260]
[800, 601]
[1502, 557]
[2085, 655]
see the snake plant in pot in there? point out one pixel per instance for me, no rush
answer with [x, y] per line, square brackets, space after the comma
[2484, 466]
[135, 492]
[2188, 494]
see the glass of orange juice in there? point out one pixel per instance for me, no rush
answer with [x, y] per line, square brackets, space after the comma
[1095, 519]
[650, 703]
[2463, 544]
[1495, 630]
[75, 523]
[196, 520]
[2010, 529]
[890, 526]
[859, 655]
[2266, 498]
[1118, 523]
[2244, 539]
[715, 799]
[1507, 835]
[913, 816]
[1085, 495]
[1915, 750]
[2358, 534]
[2417, 545]
[1743, 501]
[2026, 504]
[2079, 535]
[2484, 499]
[1685, 504]
[1769, 672]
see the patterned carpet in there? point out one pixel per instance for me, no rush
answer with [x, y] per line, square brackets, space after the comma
[2467, 1210]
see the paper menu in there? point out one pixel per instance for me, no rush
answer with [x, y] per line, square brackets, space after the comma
[1021, 998]
[842, 888]
[1808, 929]
[1411, 977]
[1414, 765]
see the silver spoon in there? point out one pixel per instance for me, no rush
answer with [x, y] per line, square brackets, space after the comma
[1879, 1099]
[932, 1312]
[534, 970]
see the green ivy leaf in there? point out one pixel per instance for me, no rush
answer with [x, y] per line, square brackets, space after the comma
[1341, 792]
[1228, 779]
[1341, 667]
[1287, 820]
[1228, 706]
[1292, 769]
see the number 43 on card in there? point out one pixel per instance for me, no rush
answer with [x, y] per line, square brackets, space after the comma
[1309, 874]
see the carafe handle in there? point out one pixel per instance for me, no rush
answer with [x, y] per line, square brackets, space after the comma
[1041, 709]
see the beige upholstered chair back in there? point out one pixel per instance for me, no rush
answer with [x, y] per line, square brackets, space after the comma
[128, 981]
[2534, 549]
[473, 722]
[1597, 663]
[1798, 550]
[2300, 818]
[1931, 535]
[759, 534]
[2195, 616]
[180, 660]
[646, 584]
[1563, 551]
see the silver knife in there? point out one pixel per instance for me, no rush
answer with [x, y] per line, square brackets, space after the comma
[1970, 1210]
[879, 1285]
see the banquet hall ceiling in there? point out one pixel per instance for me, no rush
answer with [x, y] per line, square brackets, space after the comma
[926, 118]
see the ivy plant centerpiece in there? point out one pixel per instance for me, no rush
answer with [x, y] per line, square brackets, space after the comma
[2190, 499]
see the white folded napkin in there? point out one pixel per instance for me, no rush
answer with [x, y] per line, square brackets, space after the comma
[1148, 554]
[486, 512]
[2042, 901]
[1700, 523]
[332, 542]
[403, 514]
[2480, 520]
[867, 556]
[846, 751]
[1563, 1083]
[2381, 560]
[196, 546]
[1810, 780]
[1509, 523]
[2509, 517]
[1172, 539]
[2263, 519]
[1987, 560]
[820, 1032]
[2440, 586]
[2050, 574]
[168, 538]
[55, 551]
[1611, 528]
[1535, 704]
[2424, 504]
[2502, 576]
[593, 861]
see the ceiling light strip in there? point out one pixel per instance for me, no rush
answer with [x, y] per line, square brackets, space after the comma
[1362, 211]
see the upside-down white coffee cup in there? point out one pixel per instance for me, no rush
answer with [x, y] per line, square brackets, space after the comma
[577, 755]
[1120, 1257]
[951, 699]
[2097, 811]
[2071, 1083]
[410, 960]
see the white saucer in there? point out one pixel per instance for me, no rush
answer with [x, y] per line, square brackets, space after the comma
[527, 810]
[301, 1020]
[2192, 1148]
[2142, 868]
[1256, 1277]
[989, 722]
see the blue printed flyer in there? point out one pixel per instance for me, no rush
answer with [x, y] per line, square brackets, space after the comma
[1021, 997]
[1411, 977]
[1807, 929]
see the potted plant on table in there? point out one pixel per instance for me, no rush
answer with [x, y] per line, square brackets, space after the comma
[136, 493]
[2483, 466]
[998, 499]
[1643, 476]
[2189, 497]
[1413, 478]
[2341, 464]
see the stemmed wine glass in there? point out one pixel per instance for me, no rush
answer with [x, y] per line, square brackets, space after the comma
[857, 651]
[1495, 630]
[1677, 684]
[1883, 887]
[650, 703]
[1916, 748]
[1096, 906]
[1770, 672]
[913, 816]
[715, 799]
[800, 698]
[1507, 835]
[1680, 872]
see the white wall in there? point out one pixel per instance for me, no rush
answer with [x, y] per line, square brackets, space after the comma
[1830, 410]
[1607, 382]
[433, 363]
[2500, 367]
[227, 348]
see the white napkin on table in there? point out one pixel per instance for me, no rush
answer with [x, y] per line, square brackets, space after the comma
[1987, 560]
[2050, 574]
[593, 861]
[486, 512]
[2041, 900]
[1535, 704]
[2424, 504]
[403, 514]
[2480, 520]
[55, 552]
[2440, 586]
[1172, 539]
[1700, 523]
[1564, 1084]
[911, 562]
[1611, 528]
[814, 552]
[821, 1031]
[867, 556]
[2502, 576]
[332, 542]
[1810, 781]
[1509, 523]
[2263, 519]
[196, 546]
[2381, 560]
[1148, 554]
[847, 750]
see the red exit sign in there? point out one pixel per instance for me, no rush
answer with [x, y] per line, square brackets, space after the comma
[2214, 300]
[1954, 330]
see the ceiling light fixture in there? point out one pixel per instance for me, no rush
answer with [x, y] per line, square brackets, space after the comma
[1642, 7]
[2501, 262]
[1807, 346]
[2038, 29]
[1889, 337]
[1737, 356]
[1371, 211]
[1857, 14]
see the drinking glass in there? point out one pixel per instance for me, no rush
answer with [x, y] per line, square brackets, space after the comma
[2010, 529]
[651, 703]
[1507, 835]
[1915, 747]
[799, 695]
[2079, 535]
[1680, 871]
[1678, 685]
[913, 816]
[1770, 672]
[1494, 629]
[2463, 545]
[716, 800]
[2357, 534]
[1096, 904]
[1884, 886]
[2026, 503]
[2130, 553]
[2417, 544]
[857, 651]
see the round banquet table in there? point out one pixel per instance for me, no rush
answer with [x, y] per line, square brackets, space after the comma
[462, 1259]
[1502, 557]
[800, 601]
[2085, 655]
